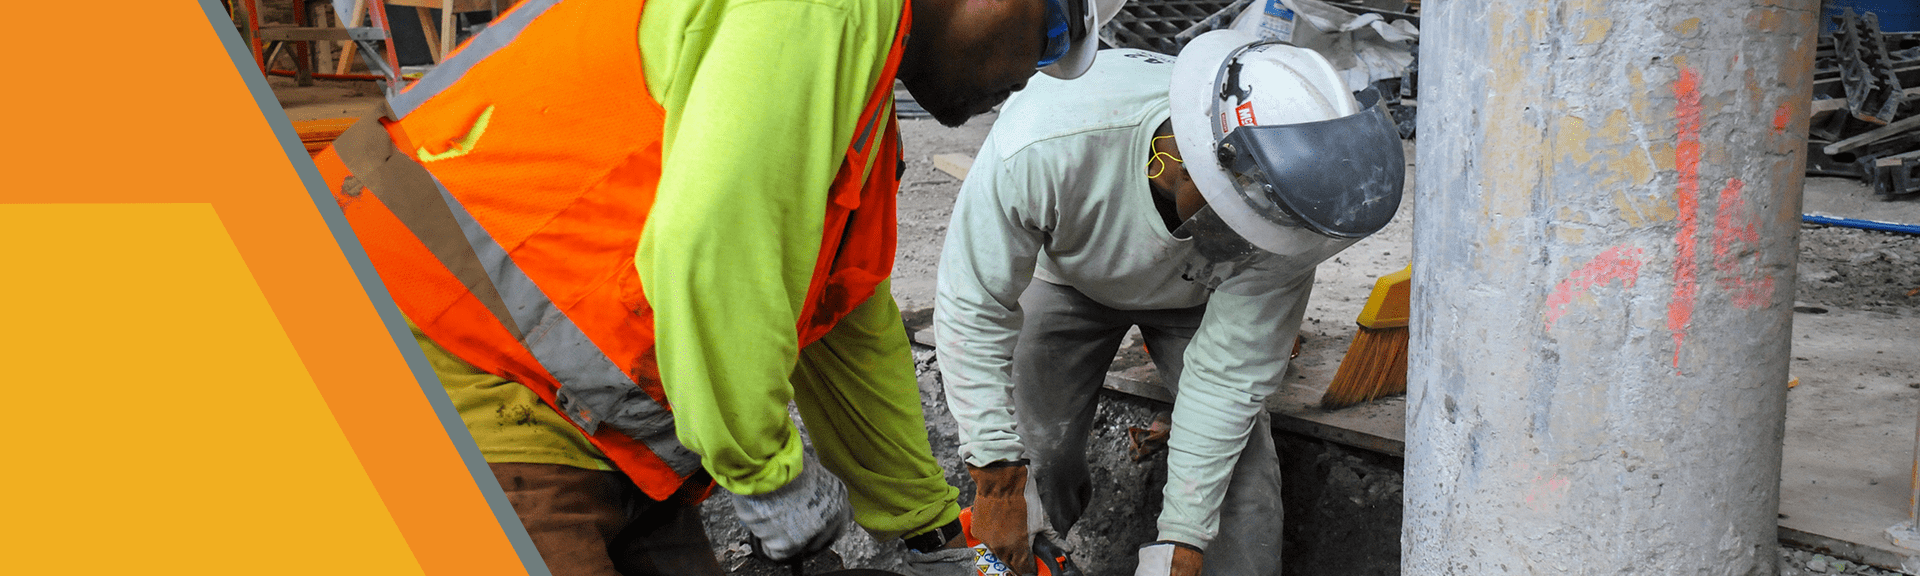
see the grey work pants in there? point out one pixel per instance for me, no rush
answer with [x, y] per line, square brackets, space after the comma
[1066, 344]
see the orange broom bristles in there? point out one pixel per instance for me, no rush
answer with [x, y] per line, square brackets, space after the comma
[1375, 367]
[1376, 363]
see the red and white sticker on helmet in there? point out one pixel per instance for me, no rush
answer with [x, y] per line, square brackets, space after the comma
[1244, 114]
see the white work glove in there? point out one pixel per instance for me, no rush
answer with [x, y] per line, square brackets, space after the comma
[796, 520]
[1168, 558]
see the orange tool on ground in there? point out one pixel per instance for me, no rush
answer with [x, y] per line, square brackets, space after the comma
[1049, 558]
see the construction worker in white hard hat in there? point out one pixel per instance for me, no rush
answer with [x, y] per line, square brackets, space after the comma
[1191, 199]
[628, 233]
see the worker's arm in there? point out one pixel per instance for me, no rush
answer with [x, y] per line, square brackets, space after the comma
[1000, 221]
[760, 104]
[1236, 359]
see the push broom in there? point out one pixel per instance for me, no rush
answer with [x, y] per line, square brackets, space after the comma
[1376, 363]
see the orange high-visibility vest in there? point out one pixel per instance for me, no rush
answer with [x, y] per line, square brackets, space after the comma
[515, 251]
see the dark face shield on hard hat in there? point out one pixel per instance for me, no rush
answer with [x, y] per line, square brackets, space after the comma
[1313, 189]
[1300, 168]
[1338, 178]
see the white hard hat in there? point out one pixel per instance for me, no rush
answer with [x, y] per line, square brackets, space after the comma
[1281, 150]
[1092, 15]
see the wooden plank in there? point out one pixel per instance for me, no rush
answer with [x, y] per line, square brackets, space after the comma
[348, 48]
[1340, 433]
[1821, 108]
[1378, 425]
[273, 54]
[317, 134]
[427, 29]
[1875, 135]
[447, 32]
[290, 34]
[1896, 159]
[322, 53]
[955, 165]
[458, 5]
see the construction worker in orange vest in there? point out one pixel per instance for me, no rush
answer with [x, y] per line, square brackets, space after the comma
[627, 233]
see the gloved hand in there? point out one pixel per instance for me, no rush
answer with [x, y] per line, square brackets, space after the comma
[1168, 558]
[1006, 513]
[796, 520]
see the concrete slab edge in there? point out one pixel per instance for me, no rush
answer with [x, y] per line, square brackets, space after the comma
[1885, 558]
[1124, 383]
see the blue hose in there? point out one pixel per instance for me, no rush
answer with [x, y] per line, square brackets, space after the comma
[1862, 224]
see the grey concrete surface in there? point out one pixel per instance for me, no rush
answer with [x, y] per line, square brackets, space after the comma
[1599, 338]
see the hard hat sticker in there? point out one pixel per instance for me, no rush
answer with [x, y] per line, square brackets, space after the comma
[1244, 113]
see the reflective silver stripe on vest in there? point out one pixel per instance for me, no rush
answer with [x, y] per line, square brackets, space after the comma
[593, 390]
[496, 36]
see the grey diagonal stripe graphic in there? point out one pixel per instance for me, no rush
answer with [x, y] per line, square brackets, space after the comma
[376, 291]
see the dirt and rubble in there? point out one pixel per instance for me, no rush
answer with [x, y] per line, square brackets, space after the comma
[1119, 518]
[1807, 563]
[1856, 269]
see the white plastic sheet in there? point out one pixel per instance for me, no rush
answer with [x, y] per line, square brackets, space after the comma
[1363, 47]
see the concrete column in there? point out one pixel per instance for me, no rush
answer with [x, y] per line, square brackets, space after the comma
[1605, 229]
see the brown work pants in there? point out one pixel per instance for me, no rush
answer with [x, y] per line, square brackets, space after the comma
[595, 523]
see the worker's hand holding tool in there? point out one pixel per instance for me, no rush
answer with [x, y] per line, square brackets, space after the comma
[1003, 513]
[1166, 558]
[796, 520]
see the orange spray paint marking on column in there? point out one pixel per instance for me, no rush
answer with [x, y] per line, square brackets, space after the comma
[1686, 111]
[1781, 117]
[1726, 232]
[1731, 231]
[1617, 263]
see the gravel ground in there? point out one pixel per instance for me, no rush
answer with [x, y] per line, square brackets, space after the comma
[1803, 563]
[1859, 270]
[1119, 517]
